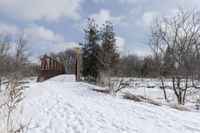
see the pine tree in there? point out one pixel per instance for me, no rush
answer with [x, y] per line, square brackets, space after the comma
[109, 56]
[90, 50]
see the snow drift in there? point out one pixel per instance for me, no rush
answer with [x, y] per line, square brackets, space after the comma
[61, 105]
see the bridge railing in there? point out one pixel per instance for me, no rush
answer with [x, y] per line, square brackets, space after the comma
[49, 68]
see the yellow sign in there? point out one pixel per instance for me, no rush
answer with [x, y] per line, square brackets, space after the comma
[78, 50]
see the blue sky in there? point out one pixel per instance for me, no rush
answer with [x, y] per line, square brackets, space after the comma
[54, 25]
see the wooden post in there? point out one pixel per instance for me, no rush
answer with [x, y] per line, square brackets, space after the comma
[78, 68]
[78, 64]
[0, 84]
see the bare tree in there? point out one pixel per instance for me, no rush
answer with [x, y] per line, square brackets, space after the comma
[158, 57]
[114, 81]
[67, 58]
[4, 46]
[21, 53]
[132, 65]
[12, 95]
[4, 49]
[180, 33]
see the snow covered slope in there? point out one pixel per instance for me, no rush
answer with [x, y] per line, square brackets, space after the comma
[60, 105]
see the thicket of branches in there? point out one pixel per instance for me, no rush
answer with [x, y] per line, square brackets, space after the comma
[135, 66]
[13, 59]
[68, 58]
[175, 42]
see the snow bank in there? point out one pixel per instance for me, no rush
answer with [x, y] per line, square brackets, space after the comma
[60, 105]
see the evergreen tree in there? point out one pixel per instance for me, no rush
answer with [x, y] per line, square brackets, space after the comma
[91, 48]
[109, 56]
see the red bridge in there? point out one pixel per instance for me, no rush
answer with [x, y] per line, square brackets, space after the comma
[49, 68]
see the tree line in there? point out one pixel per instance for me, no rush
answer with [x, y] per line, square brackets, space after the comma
[175, 44]
[175, 53]
[14, 56]
[14, 66]
[174, 41]
[100, 56]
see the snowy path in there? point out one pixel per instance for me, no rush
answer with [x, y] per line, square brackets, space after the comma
[61, 105]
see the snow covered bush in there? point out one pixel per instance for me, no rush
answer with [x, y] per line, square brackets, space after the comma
[113, 84]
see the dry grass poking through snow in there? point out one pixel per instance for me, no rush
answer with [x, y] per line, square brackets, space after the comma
[10, 98]
[139, 98]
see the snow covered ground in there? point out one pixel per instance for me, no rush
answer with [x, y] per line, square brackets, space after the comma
[60, 105]
[150, 88]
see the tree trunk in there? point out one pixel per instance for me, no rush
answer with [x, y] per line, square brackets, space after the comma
[175, 91]
[186, 86]
[180, 100]
[184, 95]
[163, 87]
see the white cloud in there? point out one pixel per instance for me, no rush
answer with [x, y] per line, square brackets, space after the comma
[129, 1]
[97, 1]
[34, 59]
[120, 42]
[121, 1]
[147, 19]
[46, 40]
[141, 52]
[40, 9]
[40, 33]
[46, 46]
[7, 29]
[104, 15]
[40, 38]
[140, 49]
[173, 12]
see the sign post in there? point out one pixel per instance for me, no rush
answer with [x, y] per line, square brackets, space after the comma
[78, 50]
[0, 84]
